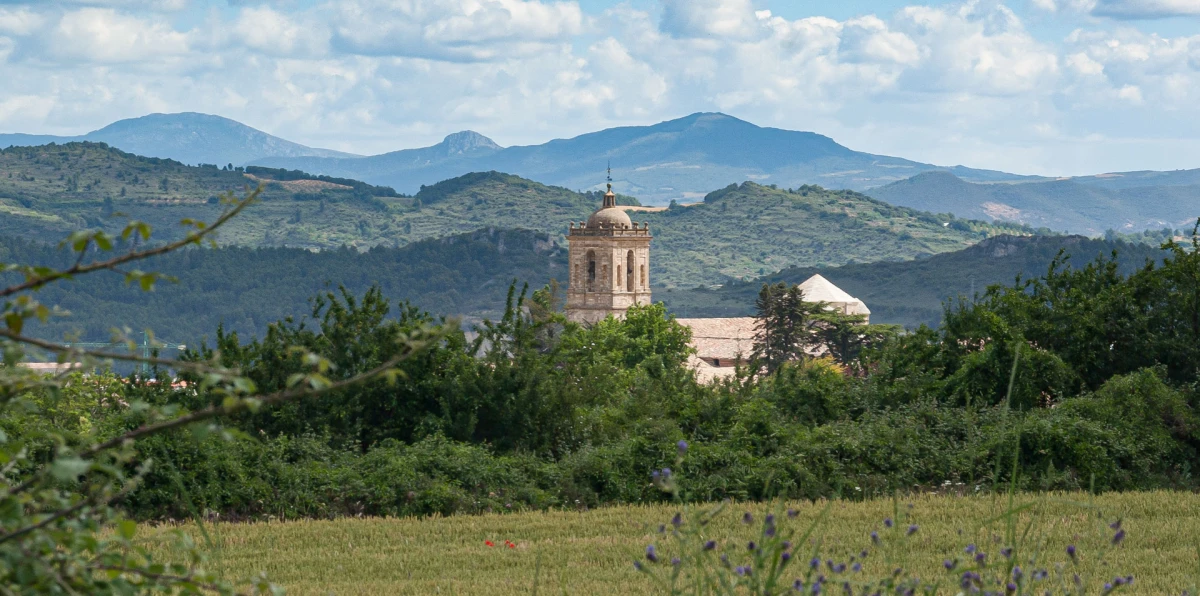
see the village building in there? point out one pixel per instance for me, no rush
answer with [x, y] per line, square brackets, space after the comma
[610, 271]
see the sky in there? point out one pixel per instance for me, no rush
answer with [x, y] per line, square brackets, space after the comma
[1050, 87]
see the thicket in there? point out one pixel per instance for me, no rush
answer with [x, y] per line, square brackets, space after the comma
[533, 412]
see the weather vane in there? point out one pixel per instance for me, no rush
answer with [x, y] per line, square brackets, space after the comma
[610, 171]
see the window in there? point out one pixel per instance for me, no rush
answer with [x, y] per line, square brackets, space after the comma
[645, 282]
[628, 272]
[591, 260]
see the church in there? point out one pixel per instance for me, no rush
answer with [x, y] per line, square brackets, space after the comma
[609, 257]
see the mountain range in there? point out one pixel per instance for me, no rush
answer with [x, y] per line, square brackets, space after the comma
[1123, 202]
[683, 160]
[190, 138]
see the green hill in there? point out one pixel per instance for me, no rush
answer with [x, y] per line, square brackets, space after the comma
[740, 231]
[912, 292]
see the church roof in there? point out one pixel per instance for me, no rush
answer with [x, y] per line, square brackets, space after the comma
[819, 289]
[725, 338]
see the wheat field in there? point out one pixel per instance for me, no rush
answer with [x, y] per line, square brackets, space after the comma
[591, 552]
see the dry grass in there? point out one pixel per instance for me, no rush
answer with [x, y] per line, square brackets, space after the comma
[591, 552]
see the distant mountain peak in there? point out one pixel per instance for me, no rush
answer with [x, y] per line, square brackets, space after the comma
[468, 141]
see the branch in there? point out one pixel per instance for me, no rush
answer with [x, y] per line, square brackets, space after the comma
[64, 349]
[79, 269]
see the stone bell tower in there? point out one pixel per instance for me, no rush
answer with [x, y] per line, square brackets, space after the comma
[610, 263]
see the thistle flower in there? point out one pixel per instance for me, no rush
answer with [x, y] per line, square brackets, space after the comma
[1071, 551]
[711, 544]
[1007, 552]
[949, 565]
[1016, 573]
[816, 589]
[857, 567]
[798, 586]
[792, 513]
[814, 563]
[875, 537]
[683, 447]
[1011, 587]
[862, 555]
[675, 561]
[785, 557]
[1118, 537]
[1115, 525]
[651, 554]
[887, 522]
[677, 520]
[770, 519]
[769, 530]
[970, 549]
[911, 530]
[839, 568]
[981, 558]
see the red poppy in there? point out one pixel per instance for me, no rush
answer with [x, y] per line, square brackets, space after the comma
[510, 544]
[489, 543]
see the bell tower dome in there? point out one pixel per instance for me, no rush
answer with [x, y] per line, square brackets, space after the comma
[610, 263]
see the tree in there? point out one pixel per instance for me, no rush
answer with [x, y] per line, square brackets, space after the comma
[61, 530]
[786, 326]
[844, 336]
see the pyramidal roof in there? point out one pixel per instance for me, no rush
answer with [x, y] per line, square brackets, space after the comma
[819, 289]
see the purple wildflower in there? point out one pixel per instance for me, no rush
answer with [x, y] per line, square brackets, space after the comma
[814, 563]
[1071, 551]
[1016, 573]
[1011, 587]
[816, 589]
[787, 545]
[770, 518]
[857, 567]
[666, 473]
[785, 557]
[1118, 537]
[911, 530]
[862, 555]
[683, 447]
[675, 561]
[875, 537]
[751, 546]
[1108, 588]
[662, 528]
[1007, 552]
[798, 586]
[637, 565]
[654, 475]
[1115, 525]
[949, 565]
[792, 513]
[839, 568]
[1118, 581]
[711, 544]
[651, 554]
[887, 522]
[769, 530]
[677, 520]
[846, 588]
[981, 558]
[970, 549]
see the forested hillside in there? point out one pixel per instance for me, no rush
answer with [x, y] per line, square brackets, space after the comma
[468, 275]
[245, 289]
[740, 231]
[911, 293]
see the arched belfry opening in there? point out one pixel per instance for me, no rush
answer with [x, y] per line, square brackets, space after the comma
[608, 240]
[629, 269]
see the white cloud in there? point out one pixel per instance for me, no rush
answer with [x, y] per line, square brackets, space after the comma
[453, 29]
[710, 18]
[102, 35]
[275, 33]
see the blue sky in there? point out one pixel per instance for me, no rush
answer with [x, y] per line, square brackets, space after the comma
[1056, 87]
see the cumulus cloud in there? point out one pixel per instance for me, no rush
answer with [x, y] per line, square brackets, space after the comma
[453, 29]
[710, 18]
[103, 35]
